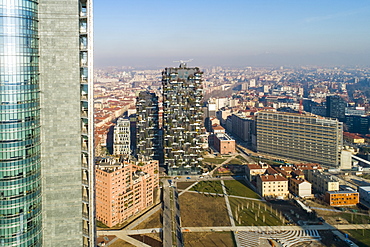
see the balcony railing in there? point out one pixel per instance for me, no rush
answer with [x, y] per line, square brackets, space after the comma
[85, 215]
[84, 147]
[85, 165]
[85, 199]
[85, 231]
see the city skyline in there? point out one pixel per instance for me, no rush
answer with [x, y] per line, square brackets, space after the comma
[244, 33]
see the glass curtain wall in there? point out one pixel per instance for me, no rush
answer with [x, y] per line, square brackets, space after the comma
[20, 173]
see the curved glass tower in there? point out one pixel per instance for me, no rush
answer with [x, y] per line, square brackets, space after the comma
[20, 171]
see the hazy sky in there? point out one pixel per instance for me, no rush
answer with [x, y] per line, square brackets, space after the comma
[232, 32]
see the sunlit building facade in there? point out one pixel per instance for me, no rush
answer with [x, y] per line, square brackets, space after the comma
[46, 129]
[302, 137]
[121, 145]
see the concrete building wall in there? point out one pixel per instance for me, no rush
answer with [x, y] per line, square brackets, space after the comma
[61, 133]
[300, 187]
[67, 143]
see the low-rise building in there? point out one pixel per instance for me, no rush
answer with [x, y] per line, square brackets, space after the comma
[353, 138]
[305, 167]
[124, 189]
[272, 186]
[223, 143]
[253, 170]
[322, 182]
[300, 187]
[364, 192]
[342, 198]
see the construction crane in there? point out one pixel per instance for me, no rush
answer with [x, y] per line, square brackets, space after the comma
[183, 63]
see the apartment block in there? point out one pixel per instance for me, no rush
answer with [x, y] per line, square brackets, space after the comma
[121, 144]
[182, 119]
[272, 186]
[124, 189]
[300, 187]
[342, 198]
[298, 136]
[148, 143]
[253, 170]
[322, 182]
[242, 127]
[364, 192]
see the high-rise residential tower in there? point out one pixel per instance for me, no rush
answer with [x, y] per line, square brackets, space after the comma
[182, 119]
[46, 124]
[121, 144]
[147, 127]
[336, 107]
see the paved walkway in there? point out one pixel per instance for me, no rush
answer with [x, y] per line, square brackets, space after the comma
[216, 194]
[123, 234]
[144, 217]
[223, 163]
[230, 213]
[167, 215]
[243, 228]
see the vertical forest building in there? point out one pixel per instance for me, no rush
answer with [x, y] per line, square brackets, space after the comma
[182, 119]
[147, 127]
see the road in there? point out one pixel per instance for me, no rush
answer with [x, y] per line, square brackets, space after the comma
[167, 215]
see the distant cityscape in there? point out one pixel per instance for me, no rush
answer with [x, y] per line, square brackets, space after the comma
[184, 154]
[296, 135]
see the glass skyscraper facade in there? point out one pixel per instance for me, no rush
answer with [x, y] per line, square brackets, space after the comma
[46, 123]
[20, 168]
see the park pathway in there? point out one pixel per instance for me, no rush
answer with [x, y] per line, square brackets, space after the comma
[230, 213]
[188, 188]
[223, 163]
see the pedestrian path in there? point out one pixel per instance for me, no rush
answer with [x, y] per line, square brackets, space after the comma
[229, 212]
[188, 188]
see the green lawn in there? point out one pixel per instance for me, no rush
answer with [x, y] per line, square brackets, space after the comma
[254, 213]
[214, 160]
[366, 176]
[235, 162]
[208, 186]
[355, 218]
[360, 237]
[239, 188]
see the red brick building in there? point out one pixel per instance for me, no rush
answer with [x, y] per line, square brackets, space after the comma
[223, 143]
